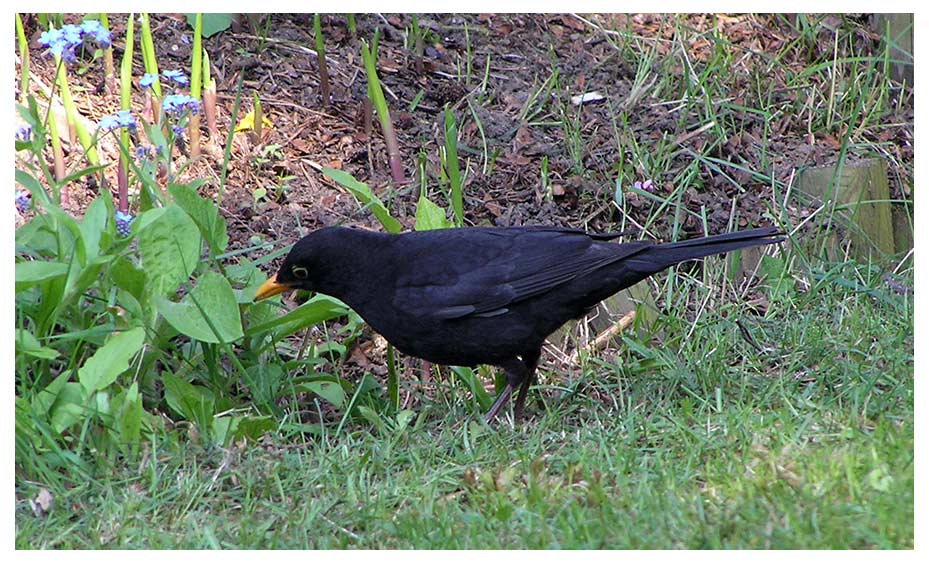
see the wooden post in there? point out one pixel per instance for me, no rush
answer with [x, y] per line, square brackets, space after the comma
[860, 197]
[897, 29]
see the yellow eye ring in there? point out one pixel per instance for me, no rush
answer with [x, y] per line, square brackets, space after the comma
[299, 272]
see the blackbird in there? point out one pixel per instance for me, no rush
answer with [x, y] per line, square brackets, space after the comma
[482, 295]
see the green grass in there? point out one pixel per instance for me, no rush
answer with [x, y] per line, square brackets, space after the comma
[700, 442]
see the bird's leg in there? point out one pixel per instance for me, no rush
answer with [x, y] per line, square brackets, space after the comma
[516, 373]
[498, 403]
[530, 360]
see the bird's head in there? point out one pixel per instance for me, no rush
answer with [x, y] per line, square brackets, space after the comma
[308, 259]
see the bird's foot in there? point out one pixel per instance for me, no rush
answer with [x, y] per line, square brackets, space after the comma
[501, 400]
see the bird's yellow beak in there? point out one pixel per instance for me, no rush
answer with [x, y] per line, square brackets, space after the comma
[270, 288]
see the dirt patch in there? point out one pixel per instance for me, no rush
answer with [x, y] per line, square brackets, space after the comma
[508, 80]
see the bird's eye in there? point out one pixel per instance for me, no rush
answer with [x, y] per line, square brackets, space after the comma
[299, 272]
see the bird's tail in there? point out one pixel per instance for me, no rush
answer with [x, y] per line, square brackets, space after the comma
[660, 257]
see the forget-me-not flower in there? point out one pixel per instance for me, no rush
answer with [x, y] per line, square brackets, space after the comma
[24, 133]
[123, 223]
[100, 34]
[62, 42]
[176, 76]
[148, 79]
[122, 118]
[147, 152]
[178, 105]
[22, 200]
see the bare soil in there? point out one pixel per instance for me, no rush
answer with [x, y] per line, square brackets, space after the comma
[280, 65]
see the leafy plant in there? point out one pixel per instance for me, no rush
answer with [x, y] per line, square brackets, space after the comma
[321, 60]
[450, 159]
[23, 47]
[196, 84]
[119, 317]
[63, 42]
[211, 24]
[376, 95]
[366, 197]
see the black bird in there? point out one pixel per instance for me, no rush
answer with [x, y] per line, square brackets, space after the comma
[481, 295]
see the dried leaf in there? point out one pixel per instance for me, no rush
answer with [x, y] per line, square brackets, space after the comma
[42, 503]
[587, 97]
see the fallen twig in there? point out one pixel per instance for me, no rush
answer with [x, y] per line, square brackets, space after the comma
[603, 338]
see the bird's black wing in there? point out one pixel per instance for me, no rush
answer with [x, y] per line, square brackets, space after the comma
[481, 272]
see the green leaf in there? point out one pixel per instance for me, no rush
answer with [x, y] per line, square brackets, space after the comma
[129, 419]
[430, 216]
[204, 213]
[43, 401]
[127, 277]
[99, 404]
[132, 308]
[87, 276]
[451, 164]
[375, 92]
[473, 383]
[373, 417]
[30, 273]
[319, 308]
[38, 236]
[254, 427]
[223, 429]
[69, 235]
[92, 226]
[775, 274]
[403, 420]
[170, 248]
[26, 343]
[212, 23]
[363, 194]
[212, 296]
[35, 188]
[68, 408]
[110, 360]
[329, 391]
[193, 403]
[880, 479]
[146, 218]
[264, 380]
[55, 234]
[77, 175]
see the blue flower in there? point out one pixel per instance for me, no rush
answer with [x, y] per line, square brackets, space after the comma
[73, 34]
[148, 79]
[178, 130]
[52, 36]
[108, 123]
[24, 133]
[178, 105]
[147, 152]
[100, 34]
[122, 118]
[176, 76]
[123, 223]
[92, 27]
[62, 42]
[22, 200]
